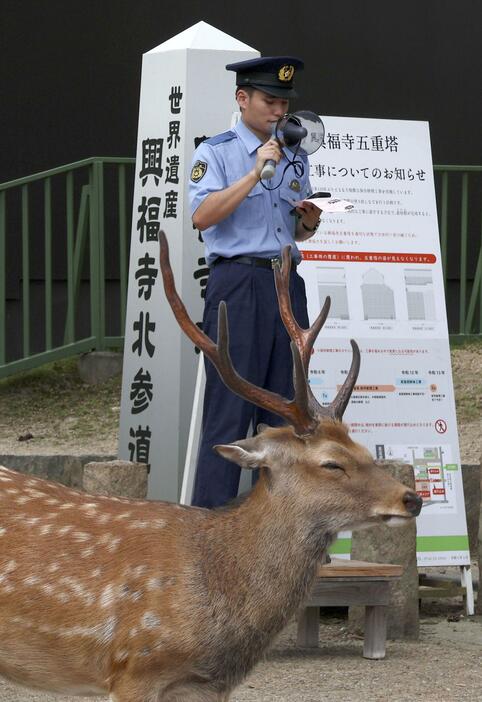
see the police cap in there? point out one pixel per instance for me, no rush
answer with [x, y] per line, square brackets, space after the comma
[271, 74]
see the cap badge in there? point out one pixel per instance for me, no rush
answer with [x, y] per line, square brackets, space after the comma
[286, 73]
[198, 171]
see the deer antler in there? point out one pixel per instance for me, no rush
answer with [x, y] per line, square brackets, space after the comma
[305, 338]
[296, 412]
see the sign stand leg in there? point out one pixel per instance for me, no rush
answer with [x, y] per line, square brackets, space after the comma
[466, 581]
[194, 434]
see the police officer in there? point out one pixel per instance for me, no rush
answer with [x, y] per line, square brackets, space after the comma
[244, 226]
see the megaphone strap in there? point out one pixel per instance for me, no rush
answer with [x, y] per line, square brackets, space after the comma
[298, 168]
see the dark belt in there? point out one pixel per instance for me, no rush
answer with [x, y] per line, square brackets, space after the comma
[253, 261]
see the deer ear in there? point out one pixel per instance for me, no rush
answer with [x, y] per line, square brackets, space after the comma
[243, 453]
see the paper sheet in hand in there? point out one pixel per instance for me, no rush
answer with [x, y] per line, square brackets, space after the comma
[327, 204]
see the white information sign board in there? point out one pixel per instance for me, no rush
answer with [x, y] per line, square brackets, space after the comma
[380, 264]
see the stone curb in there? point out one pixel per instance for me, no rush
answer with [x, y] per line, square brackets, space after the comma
[64, 469]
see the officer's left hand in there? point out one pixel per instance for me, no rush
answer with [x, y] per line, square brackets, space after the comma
[309, 213]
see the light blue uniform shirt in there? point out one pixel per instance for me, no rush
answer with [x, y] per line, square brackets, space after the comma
[262, 224]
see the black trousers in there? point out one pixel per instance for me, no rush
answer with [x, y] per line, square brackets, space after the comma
[260, 350]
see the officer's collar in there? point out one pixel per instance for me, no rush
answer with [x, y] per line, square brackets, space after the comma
[250, 140]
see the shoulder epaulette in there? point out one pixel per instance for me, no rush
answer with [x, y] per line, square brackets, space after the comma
[221, 138]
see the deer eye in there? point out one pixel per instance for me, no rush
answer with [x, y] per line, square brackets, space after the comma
[331, 465]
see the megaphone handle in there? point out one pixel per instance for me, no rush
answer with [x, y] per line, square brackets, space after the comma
[269, 167]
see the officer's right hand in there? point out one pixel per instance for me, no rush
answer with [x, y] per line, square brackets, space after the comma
[270, 150]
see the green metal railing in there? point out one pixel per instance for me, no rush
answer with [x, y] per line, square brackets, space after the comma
[469, 207]
[79, 227]
[72, 204]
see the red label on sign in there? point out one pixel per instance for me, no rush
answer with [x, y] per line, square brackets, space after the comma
[369, 256]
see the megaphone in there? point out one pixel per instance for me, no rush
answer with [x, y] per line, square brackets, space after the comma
[302, 133]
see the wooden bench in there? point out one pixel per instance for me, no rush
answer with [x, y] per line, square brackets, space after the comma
[344, 583]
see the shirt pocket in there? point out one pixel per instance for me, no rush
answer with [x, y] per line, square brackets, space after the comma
[250, 213]
[287, 196]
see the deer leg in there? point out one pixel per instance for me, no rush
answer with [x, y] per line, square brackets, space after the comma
[153, 689]
[130, 689]
[194, 692]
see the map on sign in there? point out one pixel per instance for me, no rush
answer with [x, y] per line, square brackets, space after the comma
[434, 474]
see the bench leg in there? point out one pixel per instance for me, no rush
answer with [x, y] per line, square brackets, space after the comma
[375, 632]
[308, 627]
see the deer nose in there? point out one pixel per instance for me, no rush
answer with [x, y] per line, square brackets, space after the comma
[413, 503]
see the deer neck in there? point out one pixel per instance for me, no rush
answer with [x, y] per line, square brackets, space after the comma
[269, 548]
[258, 561]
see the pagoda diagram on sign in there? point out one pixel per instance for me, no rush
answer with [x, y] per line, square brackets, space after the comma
[332, 283]
[378, 298]
[420, 295]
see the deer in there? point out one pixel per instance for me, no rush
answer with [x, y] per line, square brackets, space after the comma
[150, 601]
